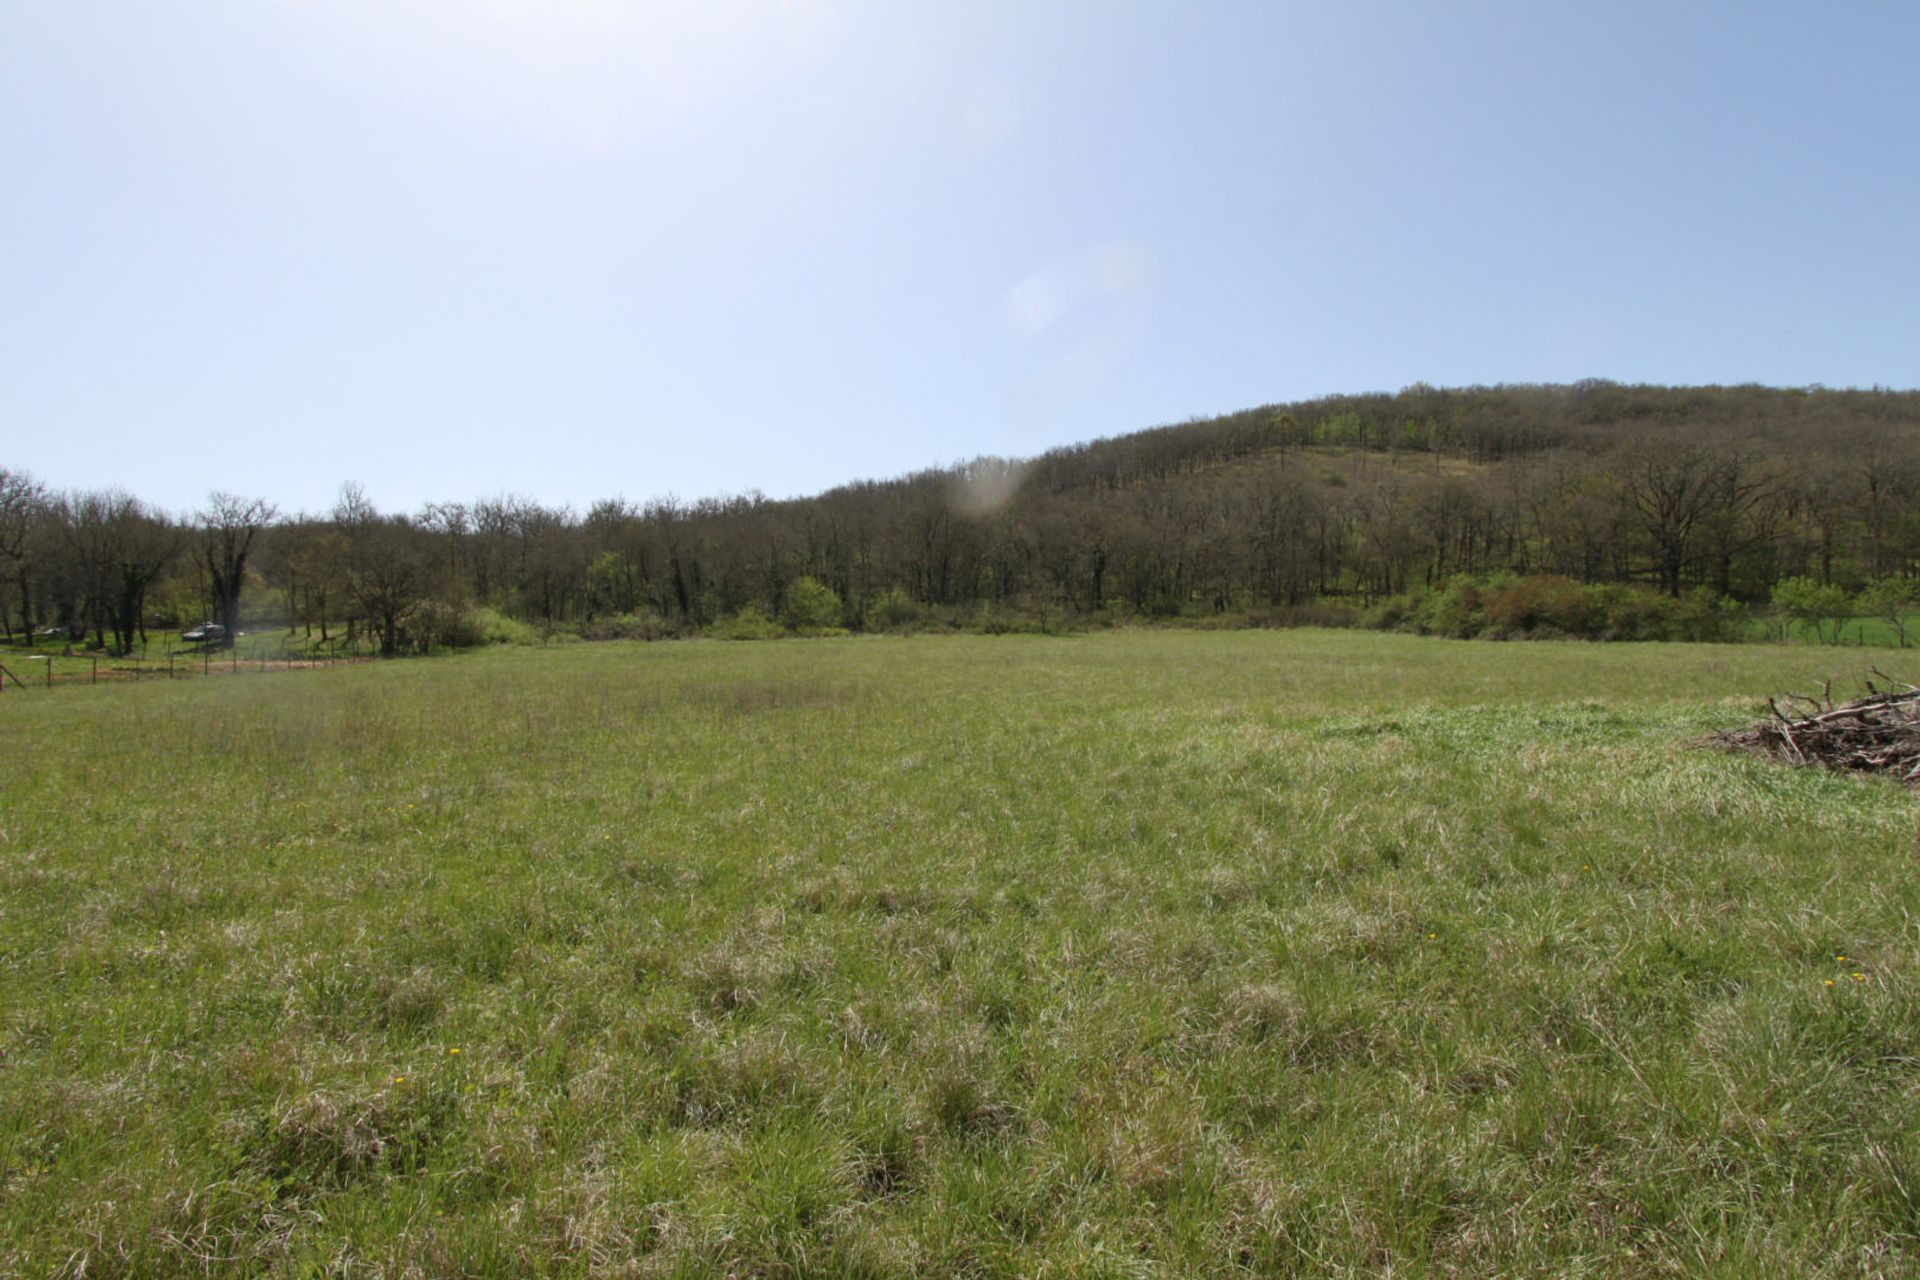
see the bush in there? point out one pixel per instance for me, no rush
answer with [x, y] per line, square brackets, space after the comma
[1456, 609]
[811, 606]
[1821, 606]
[1891, 599]
[1308, 615]
[1705, 615]
[1395, 613]
[496, 627]
[1212, 621]
[894, 610]
[998, 619]
[1544, 606]
[457, 628]
[437, 624]
[642, 624]
[1627, 613]
[751, 623]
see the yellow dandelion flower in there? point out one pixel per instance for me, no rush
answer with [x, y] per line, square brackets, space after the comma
[453, 1051]
[1829, 981]
[1859, 977]
[1433, 935]
[1841, 959]
[399, 1079]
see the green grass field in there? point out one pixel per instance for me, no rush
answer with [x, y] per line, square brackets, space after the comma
[1874, 632]
[1132, 954]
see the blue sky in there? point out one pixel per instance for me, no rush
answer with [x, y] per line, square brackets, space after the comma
[576, 249]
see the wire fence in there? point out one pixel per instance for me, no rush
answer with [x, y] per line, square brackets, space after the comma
[28, 670]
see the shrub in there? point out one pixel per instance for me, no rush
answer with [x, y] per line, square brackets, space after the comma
[434, 624]
[1891, 599]
[1456, 609]
[462, 629]
[1396, 613]
[1628, 613]
[1308, 615]
[1547, 605]
[894, 609]
[992, 619]
[751, 623]
[811, 606]
[1821, 606]
[1704, 615]
[643, 624]
[496, 627]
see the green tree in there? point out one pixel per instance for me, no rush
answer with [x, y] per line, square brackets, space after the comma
[812, 605]
[1810, 603]
[1891, 598]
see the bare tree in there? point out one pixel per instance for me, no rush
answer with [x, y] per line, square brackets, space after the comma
[23, 504]
[145, 543]
[1673, 488]
[386, 570]
[228, 526]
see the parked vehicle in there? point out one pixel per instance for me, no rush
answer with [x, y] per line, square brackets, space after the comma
[205, 633]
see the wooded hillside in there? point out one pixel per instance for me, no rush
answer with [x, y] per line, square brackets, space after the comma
[1348, 498]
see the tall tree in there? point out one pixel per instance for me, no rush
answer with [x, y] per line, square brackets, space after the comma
[387, 573]
[228, 526]
[144, 543]
[89, 527]
[23, 504]
[1672, 488]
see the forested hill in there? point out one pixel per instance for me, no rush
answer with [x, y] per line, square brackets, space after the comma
[1347, 498]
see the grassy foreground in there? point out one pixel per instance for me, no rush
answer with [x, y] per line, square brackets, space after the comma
[1115, 955]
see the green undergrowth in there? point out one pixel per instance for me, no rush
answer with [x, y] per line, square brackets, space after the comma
[1136, 954]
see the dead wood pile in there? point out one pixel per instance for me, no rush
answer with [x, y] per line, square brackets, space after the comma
[1878, 734]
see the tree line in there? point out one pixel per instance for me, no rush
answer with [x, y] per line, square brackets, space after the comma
[1729, 491]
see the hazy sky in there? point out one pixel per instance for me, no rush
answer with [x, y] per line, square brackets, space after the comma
[582, 248]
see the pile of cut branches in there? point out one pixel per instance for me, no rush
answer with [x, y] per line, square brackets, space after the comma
[1880, 733]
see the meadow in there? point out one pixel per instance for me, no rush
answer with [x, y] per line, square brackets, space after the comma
[1126, 954]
